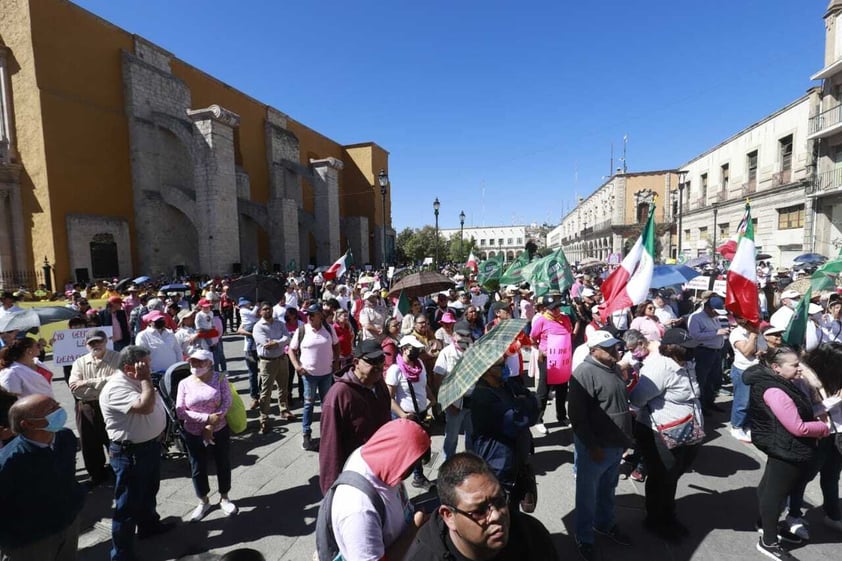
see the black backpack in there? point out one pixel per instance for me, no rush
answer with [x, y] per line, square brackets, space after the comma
[326, 547]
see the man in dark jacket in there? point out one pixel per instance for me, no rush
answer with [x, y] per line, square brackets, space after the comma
[354, 408]
[38, 485]
[602, 426]
[475, 521]
[114, 316]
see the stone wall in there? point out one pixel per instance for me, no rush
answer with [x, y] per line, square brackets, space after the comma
[81, 230]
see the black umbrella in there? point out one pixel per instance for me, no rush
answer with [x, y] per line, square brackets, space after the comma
[122, 284]
[256, 288]
[52, 314]
[763, 256]
[177, 287]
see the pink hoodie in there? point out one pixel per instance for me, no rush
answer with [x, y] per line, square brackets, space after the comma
[394, 449]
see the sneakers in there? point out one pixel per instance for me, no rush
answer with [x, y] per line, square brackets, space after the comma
[833, 524]
[586, 551]
[638, 475]
[308, 444]
[615, 534]
[541, 428]
[229, 508]
[741, 434]
[421, 483]
[199, 512]
[774, 551]
[798, 527]
[785, 535]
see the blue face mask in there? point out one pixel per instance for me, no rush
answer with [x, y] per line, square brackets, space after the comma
[55, 420]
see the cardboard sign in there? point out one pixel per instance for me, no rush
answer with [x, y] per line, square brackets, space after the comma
[559, 358]
[699, 283]
[69, 344]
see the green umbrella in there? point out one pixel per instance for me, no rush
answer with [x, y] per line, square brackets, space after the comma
[478, 359]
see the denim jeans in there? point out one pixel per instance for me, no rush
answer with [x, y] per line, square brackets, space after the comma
[137, 468]
[198, 454]
[708, 374]
[739, 406]
[311, 384]
[219, 362]
[254, 377]
[454, 424]
[596, 483]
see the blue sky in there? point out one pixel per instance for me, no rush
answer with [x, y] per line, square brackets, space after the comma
[503, 109]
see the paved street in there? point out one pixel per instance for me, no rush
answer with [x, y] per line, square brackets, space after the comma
[275, 484]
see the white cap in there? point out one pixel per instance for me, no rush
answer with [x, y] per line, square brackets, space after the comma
[410, 340]
[814, 309]
[201, 354]
[790, 294]
[602, 339]
[368, 294]
[587, 293]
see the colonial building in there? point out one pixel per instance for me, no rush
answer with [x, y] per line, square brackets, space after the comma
[824, 200]
[769, 163]
[493, 241]
[602, 224]
[119, 159]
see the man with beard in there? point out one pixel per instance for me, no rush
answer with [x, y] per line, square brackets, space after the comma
[475, 521]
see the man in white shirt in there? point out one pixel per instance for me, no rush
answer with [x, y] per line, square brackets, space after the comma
[663, 311]
[789, 301]
[164, 348]
[290, 297]
[458, 414]
[831, 322]
[134, 419]
[372, 317]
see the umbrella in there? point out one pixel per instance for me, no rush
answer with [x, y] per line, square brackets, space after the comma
[669, 275]
[256, 288]
[122, 284]
[141, 280]
[421, 284]
[478, 359]
[590, 262]
[801, 286]
[698, 261]
[177, 287]
[762, 256]
[810, 258]
[52, 314]
[19, 321]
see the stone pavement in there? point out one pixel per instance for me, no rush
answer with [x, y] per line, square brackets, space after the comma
[275, 485]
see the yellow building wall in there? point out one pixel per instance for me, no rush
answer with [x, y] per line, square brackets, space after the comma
[655, 182]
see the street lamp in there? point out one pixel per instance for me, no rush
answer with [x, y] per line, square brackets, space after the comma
[383, 179]
[436, 206]
[682, 178]
[461, 228]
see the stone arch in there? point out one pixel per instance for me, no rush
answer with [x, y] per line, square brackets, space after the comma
[483, 255]
[254, 241]
[176, 243]
[492, 254]
[510, 255]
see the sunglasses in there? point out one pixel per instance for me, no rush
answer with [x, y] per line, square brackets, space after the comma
[481, 514]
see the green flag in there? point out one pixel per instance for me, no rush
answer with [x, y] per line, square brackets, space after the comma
[514, 274]
[825, 276]
[796, 331]
[489, 272]
[551, 274]
[401, 307]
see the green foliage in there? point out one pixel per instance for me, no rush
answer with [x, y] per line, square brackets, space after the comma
[413, 245]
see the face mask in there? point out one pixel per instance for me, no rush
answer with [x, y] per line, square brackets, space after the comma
[199, 370]
[55, 420]
[414, 354]
[639, 354]
[160, 324]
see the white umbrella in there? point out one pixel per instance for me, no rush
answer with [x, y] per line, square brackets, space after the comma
[19, 321]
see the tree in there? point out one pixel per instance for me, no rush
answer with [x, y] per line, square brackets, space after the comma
[454, 254]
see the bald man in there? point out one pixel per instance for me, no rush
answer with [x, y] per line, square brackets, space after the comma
[36, 467]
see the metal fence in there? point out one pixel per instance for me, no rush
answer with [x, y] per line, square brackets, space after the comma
[13, 280]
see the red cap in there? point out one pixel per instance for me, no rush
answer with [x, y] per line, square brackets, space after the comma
[115, 300]
[204, 302]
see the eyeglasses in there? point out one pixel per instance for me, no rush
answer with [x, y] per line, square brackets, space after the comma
[480, 514]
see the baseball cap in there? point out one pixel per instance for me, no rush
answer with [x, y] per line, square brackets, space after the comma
[588, 293]
[794, 294]
[717, 303]
[204, 302]
[410, 340]
[602, 339]
[154, 316]
[97, 335]
[813, 309]
[769, 329]
[511, 289]
[115, 300]
[314, 308]
[680, 337]
[201, 354]
[550, 302]
[462, 328]
[369, 350]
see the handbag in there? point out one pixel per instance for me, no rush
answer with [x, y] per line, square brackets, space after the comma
[683, 432]
[236, 414]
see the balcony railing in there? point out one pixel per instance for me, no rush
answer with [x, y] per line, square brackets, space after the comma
[828, 181]
[602, 226]
[826, 119]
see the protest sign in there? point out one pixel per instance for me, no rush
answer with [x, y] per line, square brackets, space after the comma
[69, 344]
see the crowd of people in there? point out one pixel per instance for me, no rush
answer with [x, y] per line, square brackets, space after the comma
[635, 386]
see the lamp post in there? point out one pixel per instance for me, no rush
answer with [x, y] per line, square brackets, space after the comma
[383, 179]
[461, 228]
[682, 178]
[436, 206]
[713, 249]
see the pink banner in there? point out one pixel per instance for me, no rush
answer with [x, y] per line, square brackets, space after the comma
[559, 358]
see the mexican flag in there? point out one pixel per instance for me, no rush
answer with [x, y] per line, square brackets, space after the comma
[629, 284]
[401, 307]
[514, 274]
[741, 296]
[472, 263]
[338, 269]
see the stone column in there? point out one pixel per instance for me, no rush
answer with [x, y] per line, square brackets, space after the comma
[326, 212]
[216, 189]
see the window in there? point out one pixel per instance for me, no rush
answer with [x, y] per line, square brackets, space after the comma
[791, 217]
[520, 241]
[704, 180]
[509, 241]
[724, 172]
[482, 242]
[724, 230]
[751, 165]
[500, 242]
[491, 241]
[785, 147]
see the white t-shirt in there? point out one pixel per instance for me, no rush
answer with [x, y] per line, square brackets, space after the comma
[579, 354]
[22, 380]
[356, 524]
[116, 400]
[316, 351]
[740, 360]
[394, 377]
[166, 350]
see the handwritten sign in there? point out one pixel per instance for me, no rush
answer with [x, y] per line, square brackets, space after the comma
[559, 358]
[69, 344]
